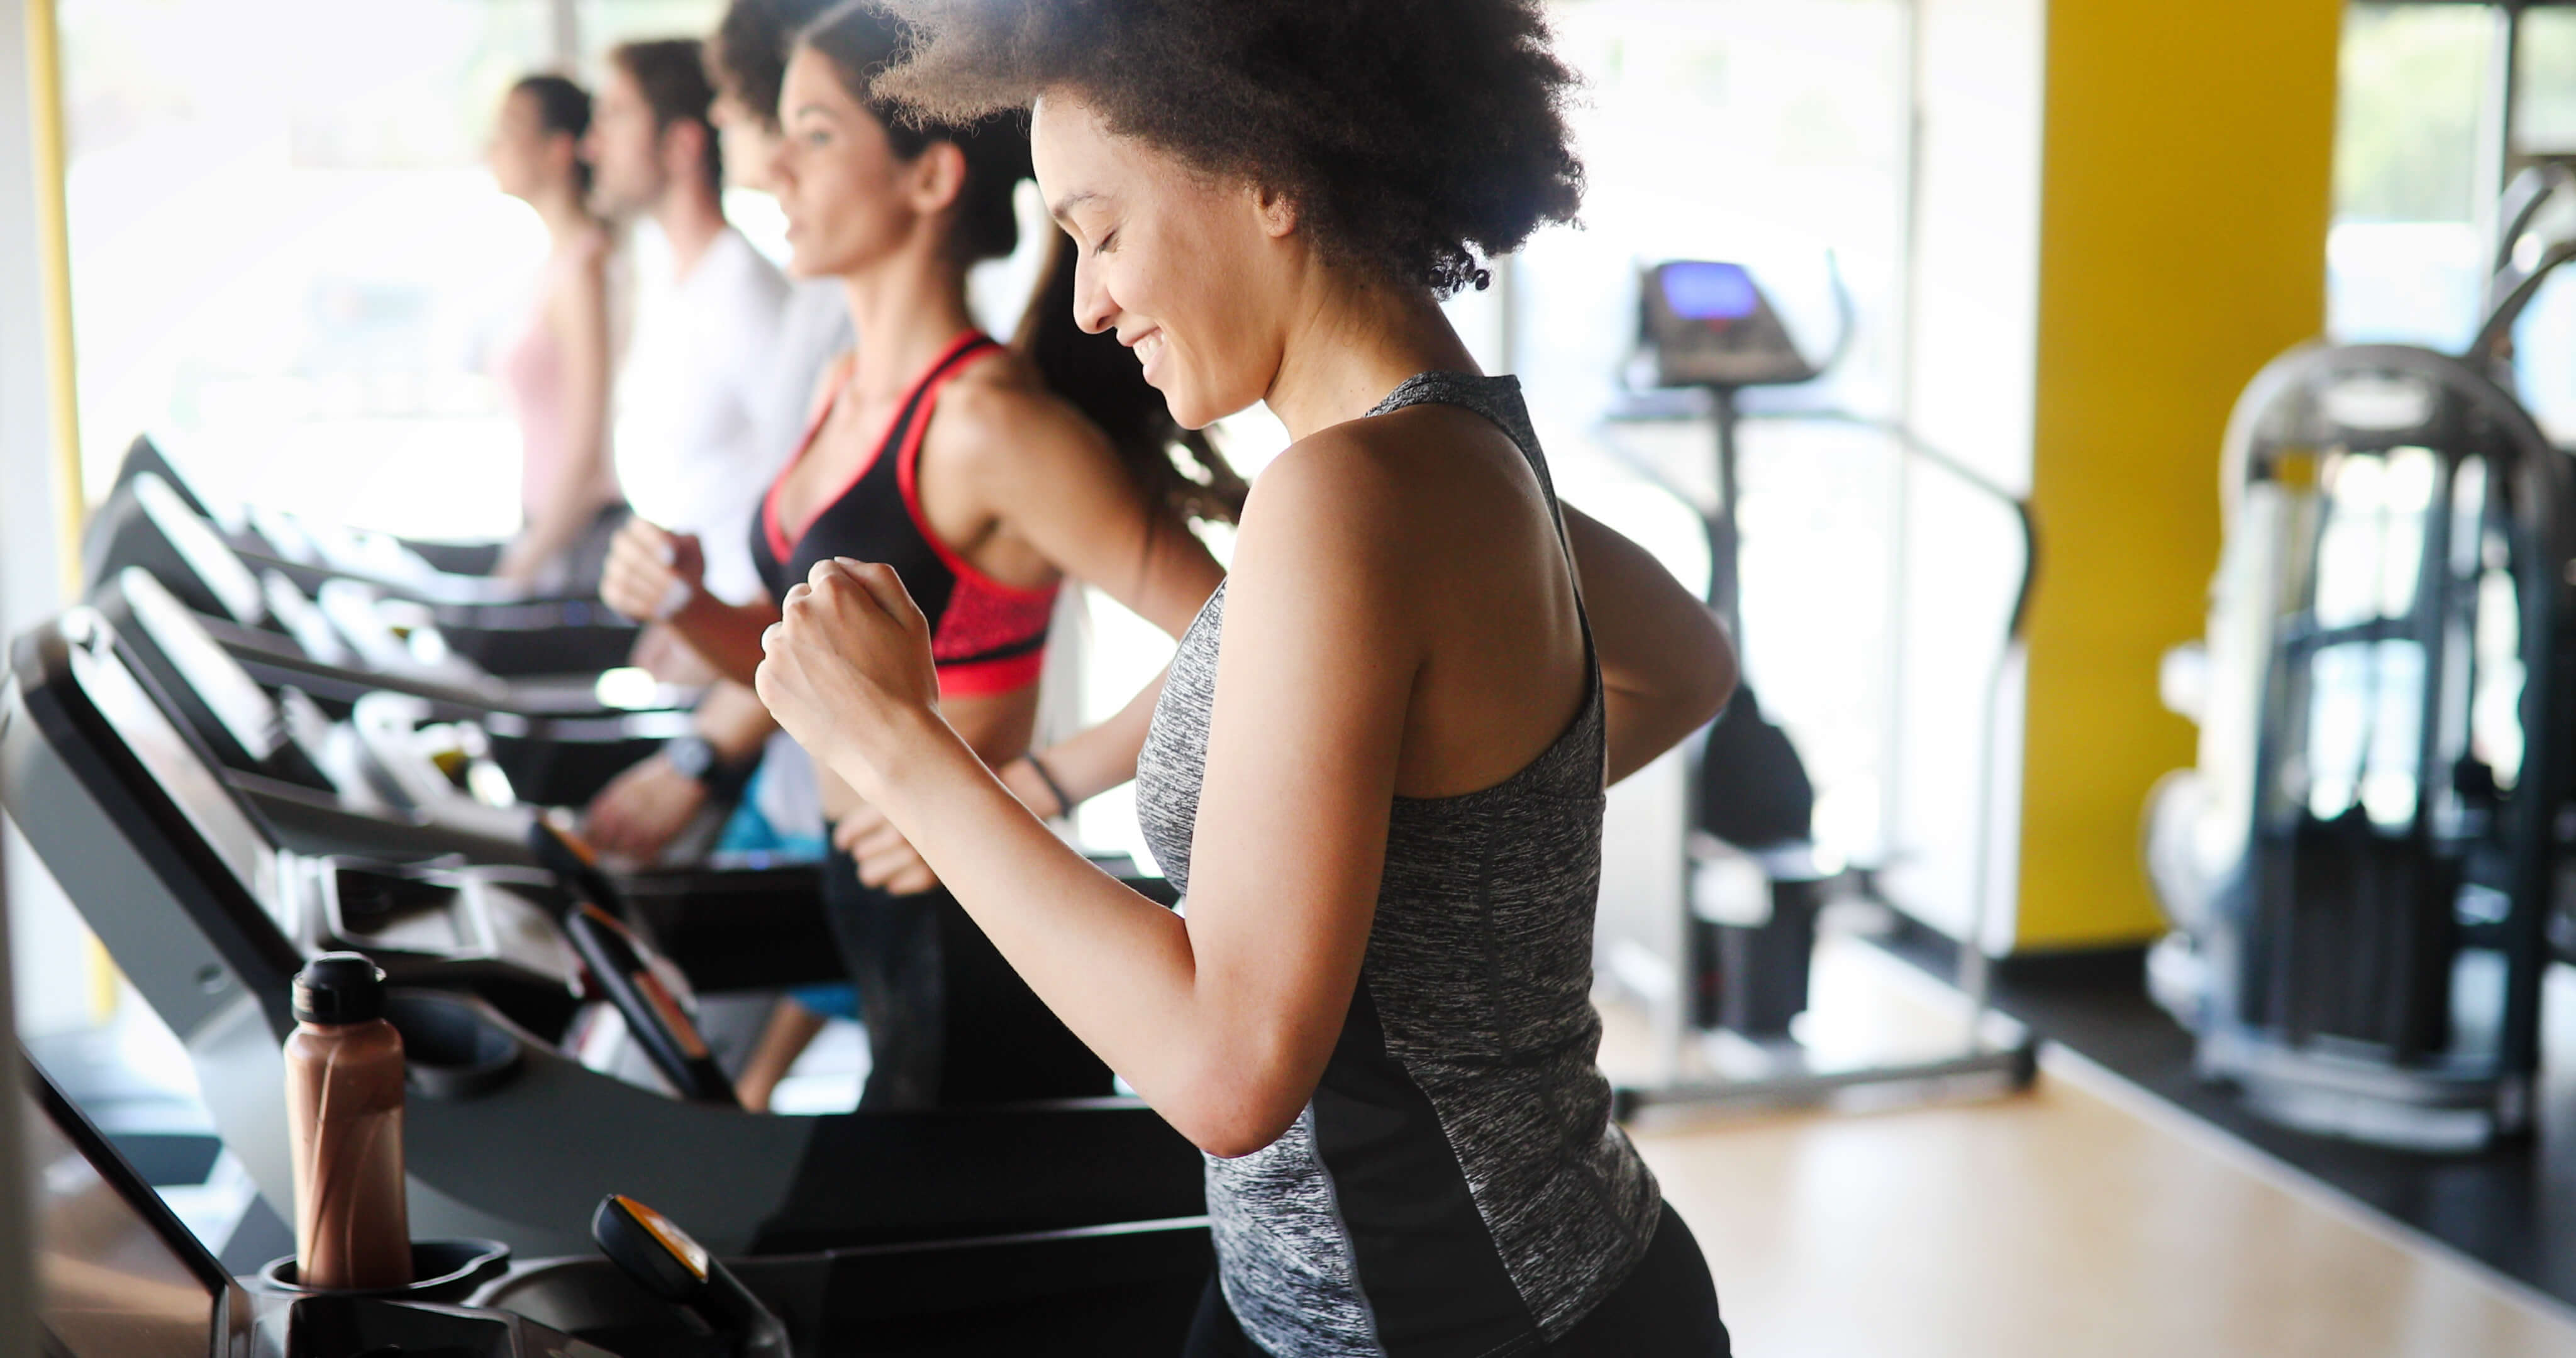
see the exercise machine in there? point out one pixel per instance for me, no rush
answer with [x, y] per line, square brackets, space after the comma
[1707, 327]
[458, 569]
[341, 634]
[116, 1275]
[2359, 869]
[512, 1135]
[148, 523]
[393, 773]
[559, 739]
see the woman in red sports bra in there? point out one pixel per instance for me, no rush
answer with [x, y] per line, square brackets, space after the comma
[985, 476]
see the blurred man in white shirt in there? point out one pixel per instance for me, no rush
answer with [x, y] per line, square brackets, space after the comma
[694, 429]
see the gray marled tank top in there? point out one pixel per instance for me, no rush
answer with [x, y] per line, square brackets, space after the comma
[1456, 1185]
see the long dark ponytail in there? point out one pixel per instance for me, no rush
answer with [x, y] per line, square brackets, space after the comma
[1093, 372]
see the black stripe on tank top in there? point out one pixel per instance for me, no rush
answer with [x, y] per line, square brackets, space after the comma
[1428, 1268]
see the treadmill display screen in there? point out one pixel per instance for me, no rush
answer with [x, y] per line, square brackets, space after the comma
[235, 698]
[205, 550]
[199, 794]
[111, 1284]
[1709, 292]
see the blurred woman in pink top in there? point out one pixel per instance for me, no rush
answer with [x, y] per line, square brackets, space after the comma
[555, 370]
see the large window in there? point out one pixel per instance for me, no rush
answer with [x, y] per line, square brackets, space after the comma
[2410, 177]
[285, 254]
[1774, 135]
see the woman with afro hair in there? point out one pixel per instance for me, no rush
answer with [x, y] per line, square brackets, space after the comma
[1376, 770]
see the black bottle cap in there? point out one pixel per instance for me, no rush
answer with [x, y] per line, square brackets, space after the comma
[339, 987]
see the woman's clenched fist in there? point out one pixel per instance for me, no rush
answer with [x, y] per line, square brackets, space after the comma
[847, 669]
[652, 573]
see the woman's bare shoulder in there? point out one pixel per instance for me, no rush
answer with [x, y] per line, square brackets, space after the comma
[1001, 412]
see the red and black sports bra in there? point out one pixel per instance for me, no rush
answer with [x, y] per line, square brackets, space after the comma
[986, 636]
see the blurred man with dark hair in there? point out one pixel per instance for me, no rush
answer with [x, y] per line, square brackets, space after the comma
[692, 438]
[645, 809]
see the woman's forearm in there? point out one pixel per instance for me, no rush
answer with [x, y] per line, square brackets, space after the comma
[1116, 967]
[733, 719]
[555, 527]
[1094, 760]
[726, 635]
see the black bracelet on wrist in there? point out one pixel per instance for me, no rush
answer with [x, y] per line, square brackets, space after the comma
[1063, 804]
[695, 756]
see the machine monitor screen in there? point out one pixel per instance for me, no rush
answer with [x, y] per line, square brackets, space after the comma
[184, 777]
[113, 1281]
[205, 551]
[235, 698]
[1698, 291]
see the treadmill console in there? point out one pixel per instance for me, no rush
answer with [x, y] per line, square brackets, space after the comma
[500, 933]
[211, 689]
[208, 563]
[1708, 324]
[184, 777]
[118, 1276]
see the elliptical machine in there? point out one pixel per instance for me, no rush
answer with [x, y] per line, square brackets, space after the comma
[2359, 870]
[1753, 882]
[1751, 804]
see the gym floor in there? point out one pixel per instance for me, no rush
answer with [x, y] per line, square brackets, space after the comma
[2087, 1216]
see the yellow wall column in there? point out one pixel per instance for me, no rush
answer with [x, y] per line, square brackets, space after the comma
[53, 242]
[2186, 183]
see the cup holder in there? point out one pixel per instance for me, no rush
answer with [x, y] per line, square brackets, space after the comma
[451, 1049]
[444, 1270]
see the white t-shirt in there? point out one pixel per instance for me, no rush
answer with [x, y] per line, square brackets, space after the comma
[694, 451]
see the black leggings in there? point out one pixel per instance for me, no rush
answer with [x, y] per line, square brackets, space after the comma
[948, 1021]
[1666, 1309]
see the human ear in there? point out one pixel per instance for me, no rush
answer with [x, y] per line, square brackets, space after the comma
[1274, 209]
[938, 176]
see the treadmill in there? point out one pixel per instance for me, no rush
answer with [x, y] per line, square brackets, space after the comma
[116, 1275]
[560, 738]
[511, 1135]
[353, 551]
[486, 625]
[388, 777]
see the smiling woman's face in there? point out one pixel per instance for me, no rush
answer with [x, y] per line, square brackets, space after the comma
[1193, 273]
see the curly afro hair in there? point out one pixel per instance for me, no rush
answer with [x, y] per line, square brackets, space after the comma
[1413, 135]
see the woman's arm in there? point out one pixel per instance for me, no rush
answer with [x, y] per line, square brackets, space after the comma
[1063, 492]
[650, 567]
[578, 315]
[1059, 490]
[643, 809]
[1223, 1020]
[727, 635]
[1667, 667]
[659, 576]
[1090, 761]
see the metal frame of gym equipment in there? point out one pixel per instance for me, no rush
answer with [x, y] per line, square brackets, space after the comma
[2315, 957]
[1981, 1066]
